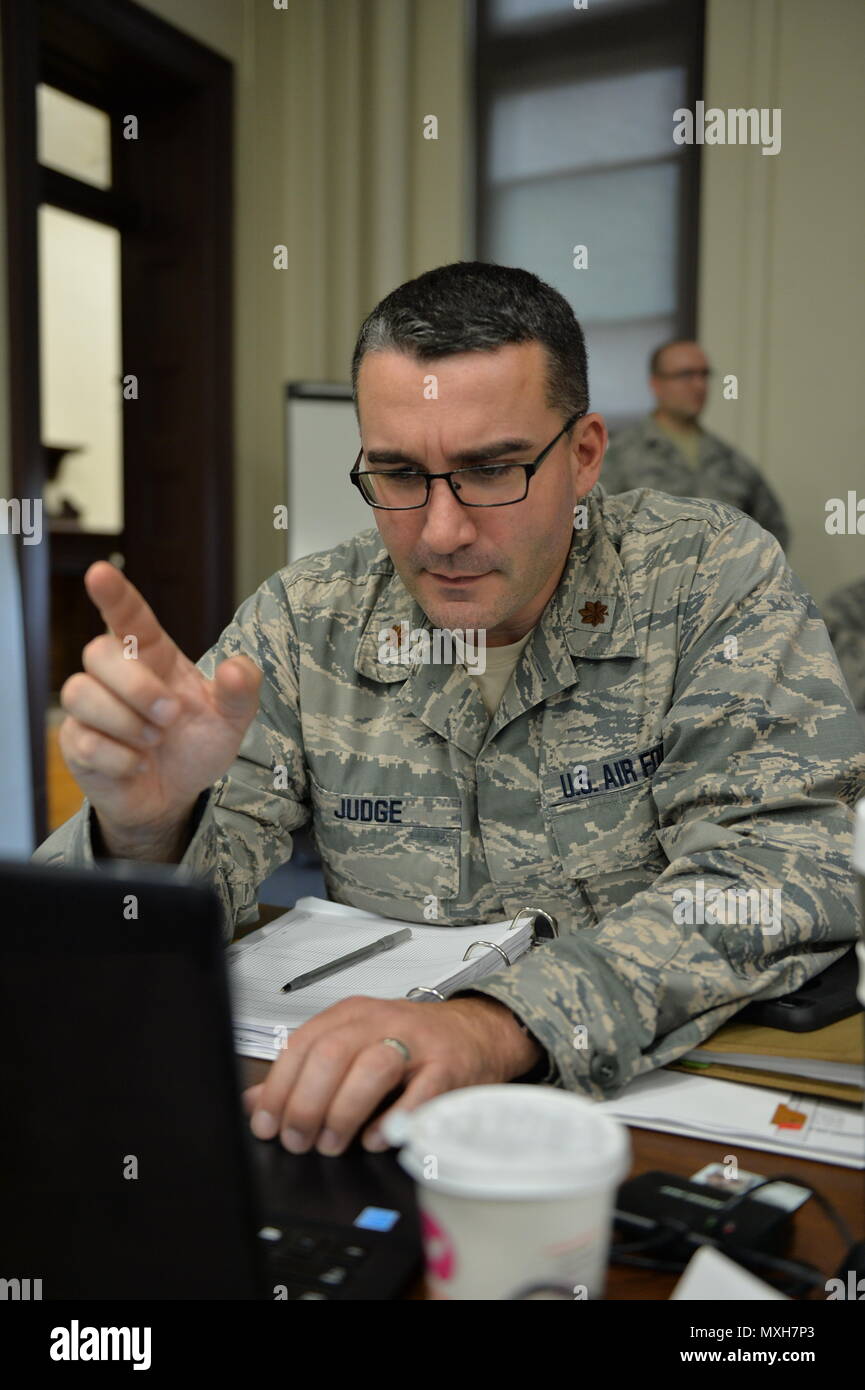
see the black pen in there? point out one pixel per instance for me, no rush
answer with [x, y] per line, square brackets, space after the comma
[385, 943]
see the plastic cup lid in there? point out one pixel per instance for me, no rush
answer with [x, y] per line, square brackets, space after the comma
[510, 1141]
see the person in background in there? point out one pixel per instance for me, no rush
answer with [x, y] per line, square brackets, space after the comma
[671, 452]
[844, 616]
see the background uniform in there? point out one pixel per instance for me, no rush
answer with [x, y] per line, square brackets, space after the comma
[647, 456]
[844, 614]
[677, 715]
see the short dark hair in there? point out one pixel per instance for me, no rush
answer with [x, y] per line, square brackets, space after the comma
[655, 359]
[472, 306]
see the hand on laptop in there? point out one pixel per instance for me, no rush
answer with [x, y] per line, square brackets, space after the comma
[334, 1071]
[146, 732]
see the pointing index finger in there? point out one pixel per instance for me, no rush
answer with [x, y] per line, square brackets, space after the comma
[124, 611]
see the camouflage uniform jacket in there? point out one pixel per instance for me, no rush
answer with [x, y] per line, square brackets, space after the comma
[702, 757]
[645, 456]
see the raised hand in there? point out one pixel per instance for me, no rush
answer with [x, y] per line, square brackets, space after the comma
[146, 731]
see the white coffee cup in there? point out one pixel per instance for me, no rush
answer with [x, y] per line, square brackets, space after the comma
[516, 1187]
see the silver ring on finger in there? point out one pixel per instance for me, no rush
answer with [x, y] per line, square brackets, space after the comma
[400, 1047]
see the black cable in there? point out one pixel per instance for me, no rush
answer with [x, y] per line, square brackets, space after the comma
[805, 1276]
[736, 1201]
[665, 1232]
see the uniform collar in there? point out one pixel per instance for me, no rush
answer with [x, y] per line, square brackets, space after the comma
[587, 618]
[654, 436]
[592, 599]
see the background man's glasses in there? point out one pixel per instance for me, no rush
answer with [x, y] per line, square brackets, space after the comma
[398, 488]
[686, 373]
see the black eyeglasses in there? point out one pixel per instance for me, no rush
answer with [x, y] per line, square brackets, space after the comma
[704, 373]
[401, 489]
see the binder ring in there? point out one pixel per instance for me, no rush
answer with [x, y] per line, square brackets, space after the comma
[493, 947]
[552, 926]
[551, 930]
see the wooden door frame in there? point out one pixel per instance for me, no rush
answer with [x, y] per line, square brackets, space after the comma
[85, 46]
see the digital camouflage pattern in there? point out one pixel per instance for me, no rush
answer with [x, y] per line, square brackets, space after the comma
[844, 615]
[678, 714]
[645, 456]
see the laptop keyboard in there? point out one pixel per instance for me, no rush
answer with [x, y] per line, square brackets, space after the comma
[309, 1263]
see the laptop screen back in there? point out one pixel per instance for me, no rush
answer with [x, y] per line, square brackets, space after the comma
[123, 1171]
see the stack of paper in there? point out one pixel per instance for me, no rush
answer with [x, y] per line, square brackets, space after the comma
[316, 931]
[780, 1121]
[827, 1061]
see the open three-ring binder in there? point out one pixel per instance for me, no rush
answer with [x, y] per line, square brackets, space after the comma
[445, 959]
[542, 926]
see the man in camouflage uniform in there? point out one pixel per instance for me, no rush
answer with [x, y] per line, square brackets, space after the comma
[844, 615]
[674, 717]
[670, 450]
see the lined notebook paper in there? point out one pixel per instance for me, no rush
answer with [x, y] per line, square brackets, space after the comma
[316, 931]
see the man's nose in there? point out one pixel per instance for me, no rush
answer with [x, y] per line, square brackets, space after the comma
[447, 523]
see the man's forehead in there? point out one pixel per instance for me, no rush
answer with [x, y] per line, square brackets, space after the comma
[392, 379]
[681, 355]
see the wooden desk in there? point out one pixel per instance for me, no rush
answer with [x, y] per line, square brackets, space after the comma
[815, 1239]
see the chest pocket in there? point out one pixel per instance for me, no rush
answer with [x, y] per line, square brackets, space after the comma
[605, 834]
[377, 849]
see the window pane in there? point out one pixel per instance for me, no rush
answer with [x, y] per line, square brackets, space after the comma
[619, 366]
[625, 218]
[73, 137]
[575, 125]
[507, 12]
[79, 331]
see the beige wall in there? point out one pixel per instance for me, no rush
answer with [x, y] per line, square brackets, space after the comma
[330, 162]
[782, 294]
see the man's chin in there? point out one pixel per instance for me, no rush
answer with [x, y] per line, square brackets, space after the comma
[462, 607]
[464, 615]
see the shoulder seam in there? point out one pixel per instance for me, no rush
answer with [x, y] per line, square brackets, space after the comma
[647, 527]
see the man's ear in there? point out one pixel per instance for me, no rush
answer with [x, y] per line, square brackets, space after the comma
[589, 446]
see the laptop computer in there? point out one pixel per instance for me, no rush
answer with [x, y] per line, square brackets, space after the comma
[127, 1166]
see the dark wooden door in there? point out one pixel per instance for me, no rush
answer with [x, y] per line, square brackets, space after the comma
[171, 199]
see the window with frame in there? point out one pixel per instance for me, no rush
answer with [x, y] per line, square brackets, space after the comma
[575, 120]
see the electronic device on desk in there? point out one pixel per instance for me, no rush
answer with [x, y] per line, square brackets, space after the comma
[694, 1208]
[822, 1000]
[127, 1166]
[661, 1219]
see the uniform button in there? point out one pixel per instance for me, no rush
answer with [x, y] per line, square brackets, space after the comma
[603, 1068]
